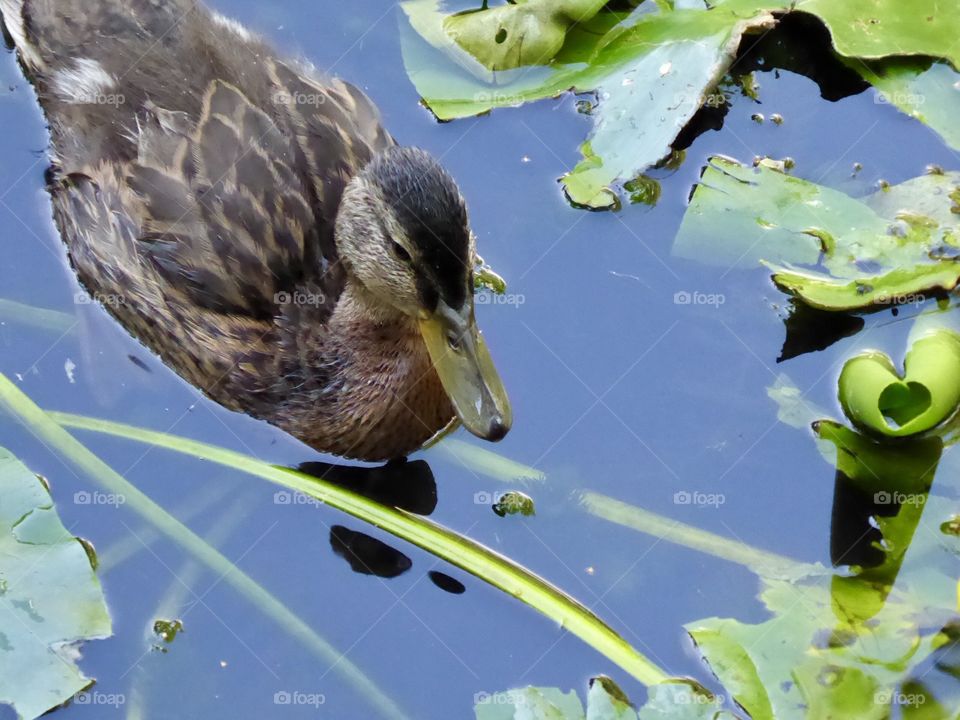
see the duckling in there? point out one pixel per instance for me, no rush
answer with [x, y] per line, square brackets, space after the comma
[256, 227]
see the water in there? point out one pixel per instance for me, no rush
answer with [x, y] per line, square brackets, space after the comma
[616, 389]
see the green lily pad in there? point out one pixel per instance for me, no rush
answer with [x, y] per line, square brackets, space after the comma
[876, 398]
[880, 28]
[891, 248]
[651, 71]
[529, 32]
[50, 598]
[924, 90]
[675, 699]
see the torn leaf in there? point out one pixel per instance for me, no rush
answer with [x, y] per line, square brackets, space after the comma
[50, 598]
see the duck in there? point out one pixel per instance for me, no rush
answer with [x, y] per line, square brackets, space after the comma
[252, 223]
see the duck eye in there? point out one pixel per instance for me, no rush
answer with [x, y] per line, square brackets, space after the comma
[453, 341]
[401, 251]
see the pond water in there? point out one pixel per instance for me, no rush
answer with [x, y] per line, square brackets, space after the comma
[617, 389]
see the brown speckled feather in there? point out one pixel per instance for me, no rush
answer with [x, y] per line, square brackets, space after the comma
[197, 176]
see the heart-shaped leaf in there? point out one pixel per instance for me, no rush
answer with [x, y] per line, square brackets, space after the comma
[876, 398]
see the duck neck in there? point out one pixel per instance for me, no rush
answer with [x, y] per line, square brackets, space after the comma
[358, 308]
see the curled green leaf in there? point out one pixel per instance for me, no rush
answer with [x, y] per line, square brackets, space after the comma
[875, 397]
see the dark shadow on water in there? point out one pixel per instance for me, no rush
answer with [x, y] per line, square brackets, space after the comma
[447, 583]
[800, 44]
[854, 539]
[402, 484]
[367, 555]
[810, 330]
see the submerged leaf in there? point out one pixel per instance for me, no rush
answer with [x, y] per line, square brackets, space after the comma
[530, 703]
[923, 90]
[673, 699]
[891, 249]
[50, 598]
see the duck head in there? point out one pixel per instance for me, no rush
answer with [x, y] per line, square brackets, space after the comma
[403, 233]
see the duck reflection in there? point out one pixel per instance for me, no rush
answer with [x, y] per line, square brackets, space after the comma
[402, 484]
[367, 555]
[407, 485]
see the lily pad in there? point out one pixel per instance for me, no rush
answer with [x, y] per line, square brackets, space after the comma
[529, 32]
[50, 598]
[888, 249]
[675, 699]
[924, 90]
[875, 397]
[650, 70]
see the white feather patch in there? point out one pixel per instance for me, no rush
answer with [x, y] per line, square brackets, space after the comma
[232, 25]
[83, 83]
[12, 11]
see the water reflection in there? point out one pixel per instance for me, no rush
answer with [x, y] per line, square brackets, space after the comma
[407, 485]
[367, 555]
[447, 583]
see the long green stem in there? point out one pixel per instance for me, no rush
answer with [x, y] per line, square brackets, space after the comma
[199, 502]
[487, 462]
[54, 436]
[52, 320]
[467, 554]
[759, 561]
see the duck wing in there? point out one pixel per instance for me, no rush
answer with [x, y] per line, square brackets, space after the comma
[228, 162]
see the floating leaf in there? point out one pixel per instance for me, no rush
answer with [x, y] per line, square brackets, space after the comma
[650, 74]
[928, 92]
[892, 248]
[514, 502]
[875, 397]
[50, 598]
[530, 703]
[529, 32]
[649, 70]
[673, 699]
[881, 28]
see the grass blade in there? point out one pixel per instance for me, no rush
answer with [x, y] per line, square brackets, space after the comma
[490, 566]
[56, 438]
[761, 562]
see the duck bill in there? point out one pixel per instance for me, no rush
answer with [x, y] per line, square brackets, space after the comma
[466, 370]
